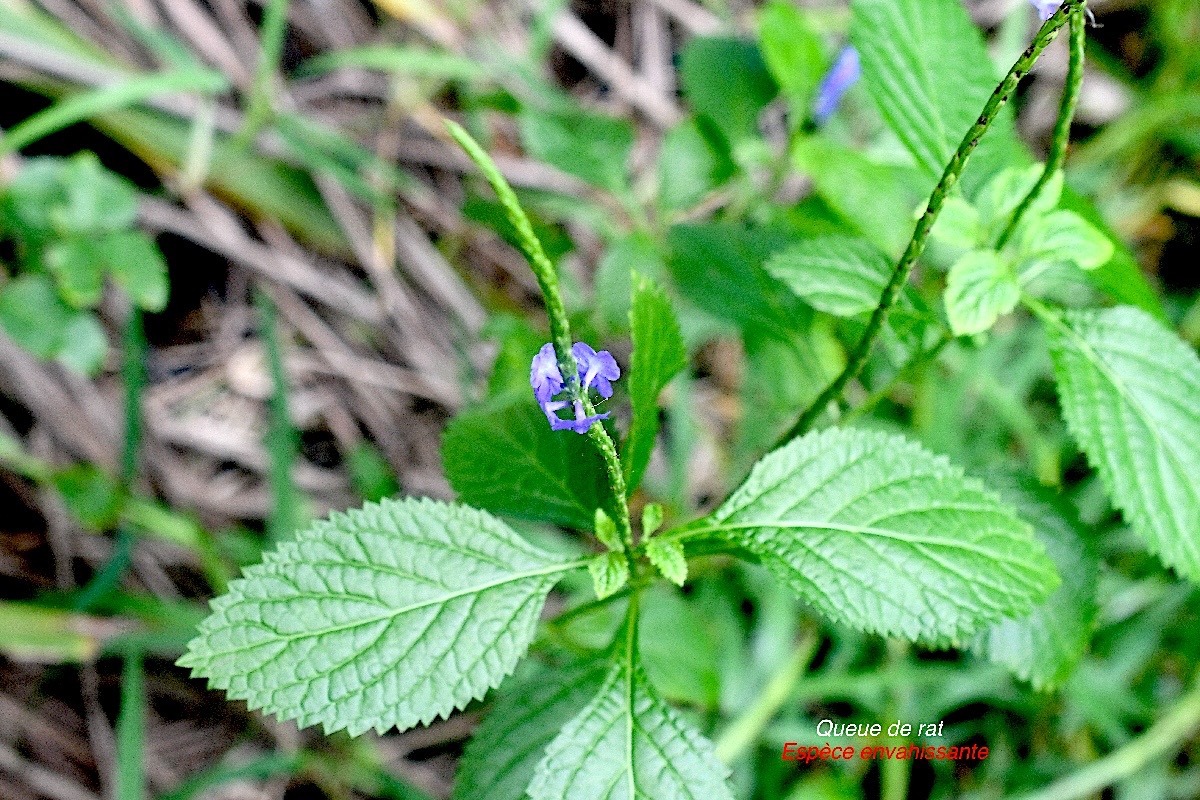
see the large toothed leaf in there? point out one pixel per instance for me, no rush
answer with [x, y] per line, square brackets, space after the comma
[505, 750]
[628, 744]
[1130, 392]
[504, 458]
[1044, 647]
[658, 354]
[880, 534]
[386, 616]
[907, 49]
[842, 275]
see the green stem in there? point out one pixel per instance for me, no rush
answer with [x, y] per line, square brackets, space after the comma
[744, 731]
[133, 374]
[560, 326]
[1062, 128]
[282, 439]
[616, 481]
[895, 774]
[274, 28]
[1164, 738]
[916, 246]
[539, 262]
[879, 395]
[131, 730]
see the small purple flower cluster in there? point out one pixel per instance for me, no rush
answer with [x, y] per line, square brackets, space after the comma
[596, 370]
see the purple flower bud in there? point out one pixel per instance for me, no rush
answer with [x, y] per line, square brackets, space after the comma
[844, 73]
[596, 368]
[1046, 8]
[544, 375]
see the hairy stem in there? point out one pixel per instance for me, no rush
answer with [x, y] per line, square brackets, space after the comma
[891, 293]
[560, 326]
[1162, 739]
[1062, 127]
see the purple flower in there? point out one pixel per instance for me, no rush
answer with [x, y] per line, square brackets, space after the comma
[580, 424]
[544, 375]
[1046, 8]
[844, 73]
[596, 369]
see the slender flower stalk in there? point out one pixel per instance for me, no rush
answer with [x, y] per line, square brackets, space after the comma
[1062, 127]
[539, 262]
[891, 293]
[586, 367]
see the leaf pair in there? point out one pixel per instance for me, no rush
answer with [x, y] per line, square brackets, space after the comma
[402, 611]
[590, 730]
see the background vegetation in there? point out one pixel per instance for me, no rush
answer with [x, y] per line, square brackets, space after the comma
[248, 280]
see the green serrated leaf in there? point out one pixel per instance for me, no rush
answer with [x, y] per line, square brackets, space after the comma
[504, 458]
[33, 314]
[667, 557]
[840, 275]
[610, 573]
[627, 743]
[138, 267]
[980, 288]
[658, 354]
[530, 712]
[1044, 647]
[880, 534]
[606, 531]
[78, 269]
[652, 518]
[97, 200]
[1064, 237]
[906, 48]
[1128, 388]
[593, 147]
[386, 616]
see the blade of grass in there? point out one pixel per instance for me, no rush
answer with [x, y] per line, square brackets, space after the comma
[131, 729]
[400, 59]
[267, 766]
[133, 374]
[146, 515]
[282, 440]
[80, 107]
[270, 51]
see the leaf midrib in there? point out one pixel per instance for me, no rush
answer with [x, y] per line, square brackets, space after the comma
[439, 600]
[1090, 353]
